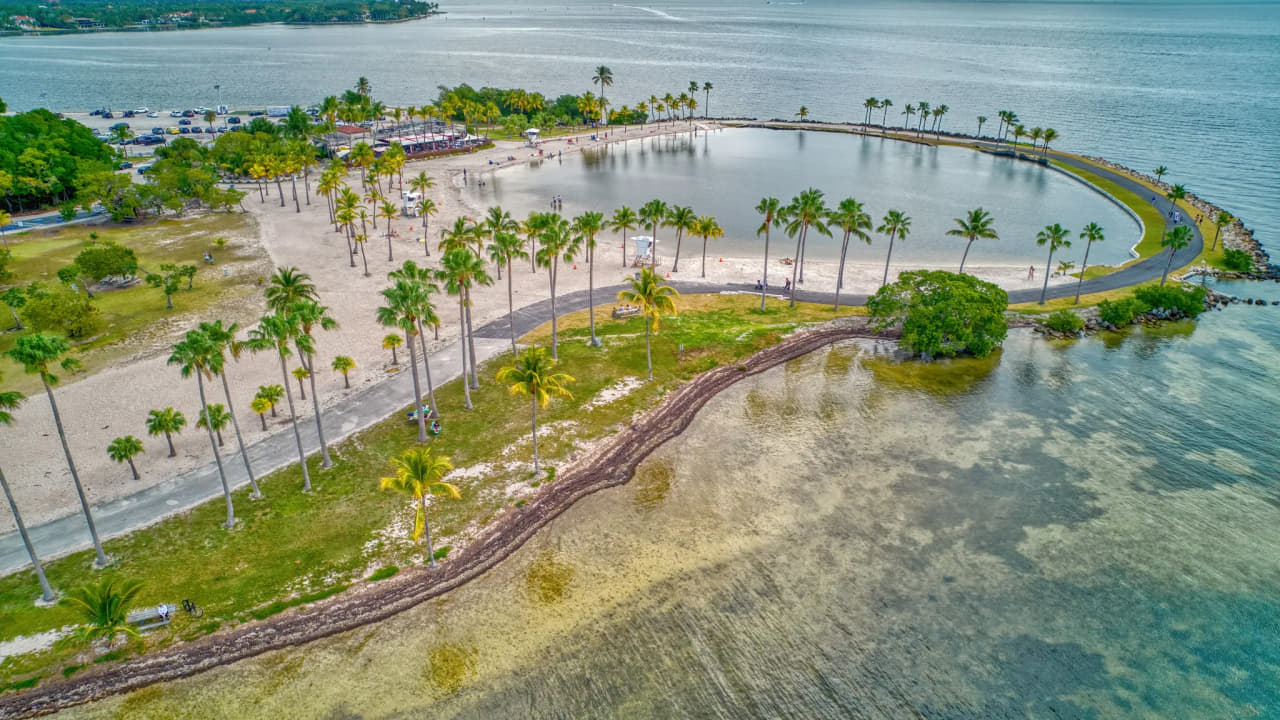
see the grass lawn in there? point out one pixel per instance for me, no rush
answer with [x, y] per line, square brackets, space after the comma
[1067, 303]
[291, 548]
[136, 314]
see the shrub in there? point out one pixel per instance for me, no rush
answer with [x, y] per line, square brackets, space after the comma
[442, 552]
[1064, 321]
[1185, 299]
[942, 313]
[1237, 260]
[384, 572]
[1120, 312]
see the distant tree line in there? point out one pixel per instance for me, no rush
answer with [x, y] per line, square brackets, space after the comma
[79, 15]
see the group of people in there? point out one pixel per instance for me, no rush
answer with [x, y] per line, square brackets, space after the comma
[762, 285]
[557, 203]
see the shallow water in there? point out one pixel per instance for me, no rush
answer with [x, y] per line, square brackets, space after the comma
[1072, 530]
[724, 174]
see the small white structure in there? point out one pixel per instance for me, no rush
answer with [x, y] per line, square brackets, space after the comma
[410, 200]
[646, 249]
[532, 136]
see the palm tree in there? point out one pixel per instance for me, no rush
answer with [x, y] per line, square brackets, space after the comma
[346, 211]
[391, 342]
[461, 269]
[603, 78]
[852, 218]
[624, 220]
[190, 355]
[388, 211]
[868, 105]
[1175, 239]
[1223, 218]
[1035, 134]
[534, 375]
[105, 607]
[1049, 136]
[166, 422]
[587, 226]
[404, 301]
[498, 220]
[276, 332]
[706, 99]
[363, 87]
[923, 108]
[505, 248]
[1176, 193]
[11, 401]
[223, 340]
[803, 113]
[1018, 131]
[982, 119]
[706, 228]
[261, 405]
[289, 285]
[654, 300]
[654, 214]
[907, 112]
[123, 450]
[344, 364]
[300, 374]
[1091, 233]
[426, 315]
[885, 104]
[1160, 172]
[310, 314]
[419, 472]
[977, 224]
[559, 241]
[682, 218]
[771, 212]
[360, 240]
[531, 227]
[1055, 236]
[807, 209]
[218, 419]
[426, 209]
[362, 155]
[896, 224]
[938, 112]
[272, 394]
[36, 352]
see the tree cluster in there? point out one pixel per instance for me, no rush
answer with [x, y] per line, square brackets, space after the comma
[942, 313]
[44, 160]
[76, 15]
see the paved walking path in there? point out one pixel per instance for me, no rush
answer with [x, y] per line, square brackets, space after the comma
[373, 404]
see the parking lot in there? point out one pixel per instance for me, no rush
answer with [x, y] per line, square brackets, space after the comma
[171, 127]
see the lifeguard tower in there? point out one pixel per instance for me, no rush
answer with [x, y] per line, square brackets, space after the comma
[646, 251]
[409, 204]
[531, 136]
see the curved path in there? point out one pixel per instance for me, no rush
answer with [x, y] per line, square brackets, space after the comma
[368, 406]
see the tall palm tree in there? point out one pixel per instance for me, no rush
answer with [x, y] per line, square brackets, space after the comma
[1160, 172]
[868, 105]
[706, 228]
[654, 214]
[1055, 236]
[362, 155]
[982, 119]
[938, 113]
[311, 315]
[587, 226]
[682, 218]
[534, 375]
[11, 401]
[852, 218]
[123, 450]
[461, 236]
[388, 211]
[360, 240]
[419, 473]
[1035, 135]
[531, 227]
[1222, 218]
[654, 299]
[346, 211]
[166, 422]
[505, 248]
[772, 216]
[426, 209]
[1091, 234]
[276, 332]
[1175, 239]
[191, 357]
[895, 224]
[807, 210]
[36, 353]
[559, 241]
[404, 303]
[706, 99]
[977, 224]
[425, 277]
[289, 285]
[1049, 136]
[105, 607]
[496, 221]
[461, 269]
[624, 220]
[1018, 132]
[907, 112]
[885, 104]
[604, 78]
[1176, 193]
[223, 341]
[923, 108]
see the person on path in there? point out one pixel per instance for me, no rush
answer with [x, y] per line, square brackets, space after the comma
[1031, 272]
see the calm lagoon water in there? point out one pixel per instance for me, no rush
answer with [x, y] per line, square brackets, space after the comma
[1088, 530]
[726, 173]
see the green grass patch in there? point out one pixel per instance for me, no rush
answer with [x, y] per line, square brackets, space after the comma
[291, 548]
[21, 684]
[136, 314]
[441, 553]
[71, 670]
[384, 572]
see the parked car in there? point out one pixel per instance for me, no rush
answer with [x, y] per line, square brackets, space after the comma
[256, 113]
[106, 115]
[172, 130]
[184, 121]
[175, 113]
[120, 125]
[233, 120]
[142, 169]
[153, 114]
[126, 165]
[188, 113]
[197, 130]
[128, 113]
[97, 112]
[184, 130]
[157, 131]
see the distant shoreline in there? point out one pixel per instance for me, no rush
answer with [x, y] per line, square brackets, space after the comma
[51, 32]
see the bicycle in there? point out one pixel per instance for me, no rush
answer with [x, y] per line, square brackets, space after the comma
[192, 609]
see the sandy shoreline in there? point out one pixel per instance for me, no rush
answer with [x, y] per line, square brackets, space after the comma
[115, 402]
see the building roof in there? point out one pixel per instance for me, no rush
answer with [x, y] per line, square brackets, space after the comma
[351, 130]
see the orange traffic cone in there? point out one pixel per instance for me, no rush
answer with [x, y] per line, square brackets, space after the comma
[575, 266]
[668, 275]
[721, 259]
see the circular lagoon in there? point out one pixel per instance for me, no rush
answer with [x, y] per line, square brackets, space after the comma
[726, 173]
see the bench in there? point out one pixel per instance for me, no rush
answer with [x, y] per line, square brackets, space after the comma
[151, 617]
[619, 313]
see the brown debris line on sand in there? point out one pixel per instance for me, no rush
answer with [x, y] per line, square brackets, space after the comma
[612, 464]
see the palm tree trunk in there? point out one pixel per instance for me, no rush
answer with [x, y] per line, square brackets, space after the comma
[511, 310]
[1044, 290]
[1164, 276]
[17, 321]
[364, 258]
[75, 476]
[1084, 266]
[462, 347]
[704, 256]
[764, 288]
[263, 418]
[624, 243]
[46, 592]
[244, 453]
[417, 390]
[551, 271]
[844, 248]
[1212, 247]
[218, 433]
[471, 341]
[325, 462]
[648, 351]
[535, 438]
[306, 184]
[293, 180]
[169, 438]
[426, 365]
[804, 238]
[217, 456]
[795, 265]
[280, 190]
[302, 389]
[351, 254]
[675, 266]
[133, 469]
[426, 531]
[887, 257]
[966, 254]
[293, 420]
